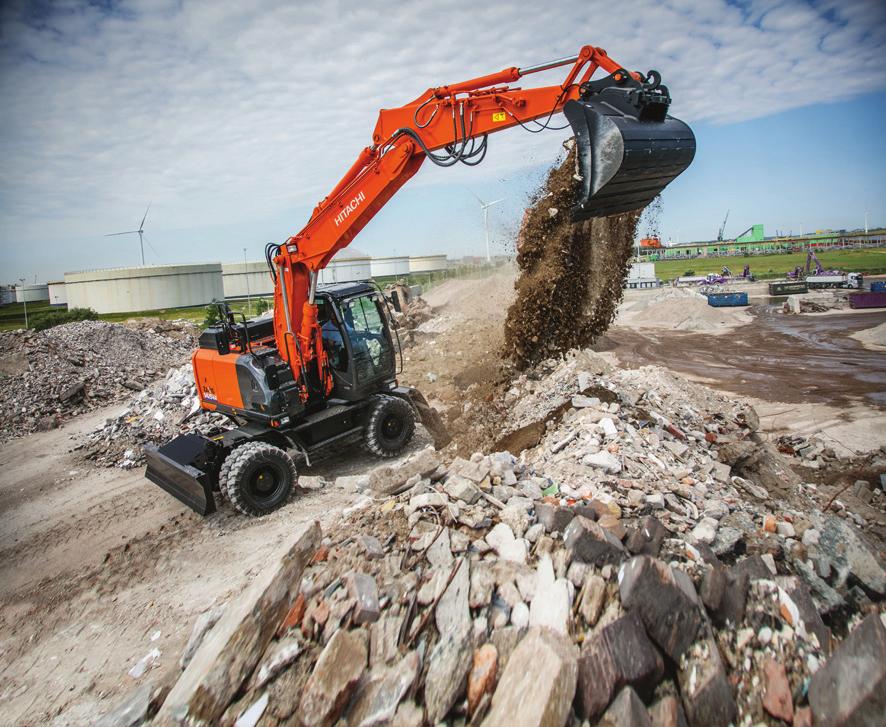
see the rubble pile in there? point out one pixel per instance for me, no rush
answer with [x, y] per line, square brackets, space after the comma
[648, 559]
[49, 376]
[411, 317]
[154, 415]
[816, 302]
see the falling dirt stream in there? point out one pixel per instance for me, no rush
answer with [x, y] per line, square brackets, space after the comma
[571, 273]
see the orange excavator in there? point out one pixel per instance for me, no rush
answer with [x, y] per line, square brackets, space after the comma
[322, 373]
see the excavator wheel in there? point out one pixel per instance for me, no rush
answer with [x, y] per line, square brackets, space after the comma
[257, 478]
[389, 427]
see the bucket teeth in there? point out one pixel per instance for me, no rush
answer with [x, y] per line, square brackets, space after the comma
[624, 161]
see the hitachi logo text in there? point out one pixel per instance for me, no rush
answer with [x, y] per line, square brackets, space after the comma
[349, 207]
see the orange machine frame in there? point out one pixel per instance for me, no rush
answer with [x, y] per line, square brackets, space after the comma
[402, 138]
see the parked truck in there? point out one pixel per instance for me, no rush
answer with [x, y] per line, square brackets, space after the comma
[854, 281]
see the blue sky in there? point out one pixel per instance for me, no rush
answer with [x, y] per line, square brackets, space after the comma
[235, 120]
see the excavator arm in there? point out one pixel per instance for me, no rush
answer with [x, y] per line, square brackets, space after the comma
[629, 149]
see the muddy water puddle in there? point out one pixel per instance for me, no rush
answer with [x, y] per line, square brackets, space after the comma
[778, 357]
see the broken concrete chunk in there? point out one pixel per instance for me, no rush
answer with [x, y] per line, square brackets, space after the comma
[626, 711]
[605, 461]
[704, 687]
[851, 687]
[383, 635]
[231, 650]
[378, 697]
[537, 685]
[553, 517]
[371, 546]
[461, 488]
[724, 593]
[452, 612]
[667, 712]
[205, 621]
[550, 605]
[363, 590]
[589, 543]
[850, 554]
[671, 617]
[448, 668]
[501, 539]
[391, 479]
[334, 679]
[647, 538]
[619, 654]
[284, 652]
[593, 596]
[133, 711]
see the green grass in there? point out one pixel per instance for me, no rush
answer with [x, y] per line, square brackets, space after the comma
[870, 261]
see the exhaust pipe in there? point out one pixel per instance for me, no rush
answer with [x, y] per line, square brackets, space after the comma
[628, 148]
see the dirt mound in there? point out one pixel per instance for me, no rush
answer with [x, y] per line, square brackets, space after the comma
[571, 274]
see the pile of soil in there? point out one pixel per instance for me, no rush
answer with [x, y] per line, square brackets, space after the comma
[571, 273]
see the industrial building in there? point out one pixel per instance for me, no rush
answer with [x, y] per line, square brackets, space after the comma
[31, 293]
[151, 287]
[58, 296]
[385, 267]
[754, 242]
[427, 263]
[247, 278]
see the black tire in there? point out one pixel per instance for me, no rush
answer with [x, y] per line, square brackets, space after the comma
[389, 427]
[257, 478]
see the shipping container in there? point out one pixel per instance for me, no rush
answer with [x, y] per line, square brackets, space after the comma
[788, 287]
[868, 300]
[878, 286]
[723, 300]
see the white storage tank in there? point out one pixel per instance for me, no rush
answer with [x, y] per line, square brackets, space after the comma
[149, 287]
[247, 279]
[31, 293]
[427, 263]
[383, 267]
[344, 268]
[57, 294]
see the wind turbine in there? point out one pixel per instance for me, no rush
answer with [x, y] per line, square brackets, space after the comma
[140, 231]
[485, 207]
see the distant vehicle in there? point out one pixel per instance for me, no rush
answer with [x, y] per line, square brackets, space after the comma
[653, 242]
[853, 281]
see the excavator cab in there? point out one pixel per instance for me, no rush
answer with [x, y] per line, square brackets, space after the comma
[357, 339]
[628, 148]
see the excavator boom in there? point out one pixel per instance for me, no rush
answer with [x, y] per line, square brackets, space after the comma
[324, 369]
[629, 150]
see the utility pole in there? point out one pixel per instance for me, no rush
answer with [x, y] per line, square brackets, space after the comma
[25, 299]
[246, 273]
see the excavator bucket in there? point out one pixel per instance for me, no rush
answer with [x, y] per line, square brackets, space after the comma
[628, 148]
[179, 467]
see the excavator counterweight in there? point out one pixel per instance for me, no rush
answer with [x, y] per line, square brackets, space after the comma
[628, 148]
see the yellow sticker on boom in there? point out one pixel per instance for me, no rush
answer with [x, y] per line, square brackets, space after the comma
[499, 116]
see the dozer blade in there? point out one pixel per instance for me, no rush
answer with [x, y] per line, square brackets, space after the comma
[628, 148]
[176, 468]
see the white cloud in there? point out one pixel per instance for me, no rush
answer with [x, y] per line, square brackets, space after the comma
[223, 113]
